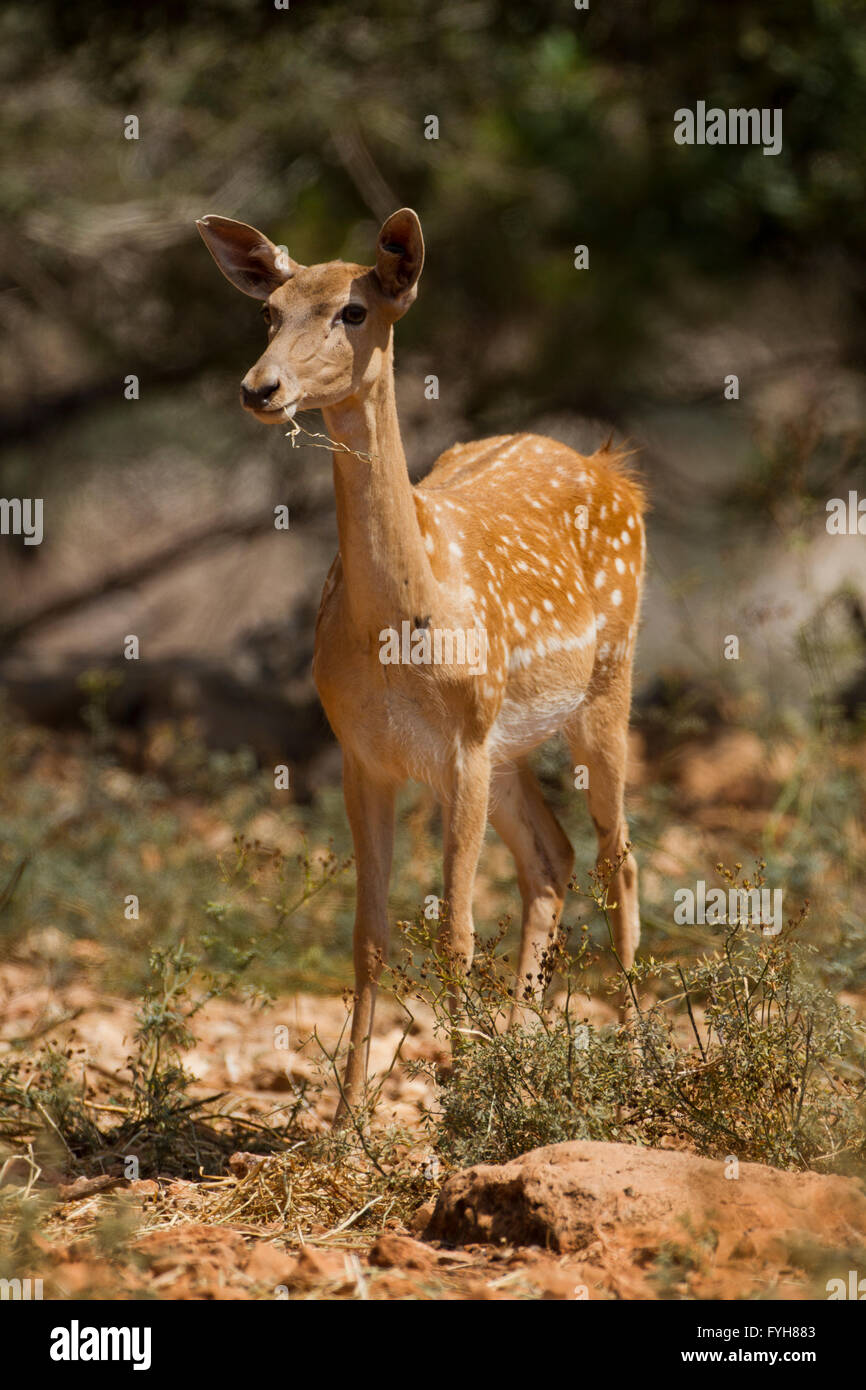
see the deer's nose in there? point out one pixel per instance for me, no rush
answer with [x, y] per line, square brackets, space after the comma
[256, 397]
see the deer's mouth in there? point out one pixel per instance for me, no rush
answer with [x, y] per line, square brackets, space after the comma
[271, 414]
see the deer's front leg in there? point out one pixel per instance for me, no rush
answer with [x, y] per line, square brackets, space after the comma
[370, 808]
[464, 815]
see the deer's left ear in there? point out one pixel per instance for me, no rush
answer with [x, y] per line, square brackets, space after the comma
[252, 263]
[399, 258]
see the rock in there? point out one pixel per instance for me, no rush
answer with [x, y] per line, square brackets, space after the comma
[314, 1266]
[181, 1189]
[192, 1260]
[554, 1282]
[143, 1187]
[242, 1164]
[268, 1264]
[77, 1278]
[401, 1252]
[420, 1219]
[568, 1196]
[86, 1187]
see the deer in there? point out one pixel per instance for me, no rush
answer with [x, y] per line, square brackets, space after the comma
[517, 537]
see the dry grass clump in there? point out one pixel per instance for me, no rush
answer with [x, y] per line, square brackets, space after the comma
[326, 1186]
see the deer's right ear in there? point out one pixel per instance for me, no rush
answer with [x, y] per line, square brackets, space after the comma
[251, 262]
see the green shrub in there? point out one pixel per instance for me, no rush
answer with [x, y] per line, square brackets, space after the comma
[742, 1053]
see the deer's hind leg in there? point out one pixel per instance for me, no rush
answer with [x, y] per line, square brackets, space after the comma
[544, 859]
[598, 740]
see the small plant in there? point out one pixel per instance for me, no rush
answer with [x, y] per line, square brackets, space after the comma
[160, 1099]
[47, 1097]
[47, 1094]
[272, 876]
[41, 1092]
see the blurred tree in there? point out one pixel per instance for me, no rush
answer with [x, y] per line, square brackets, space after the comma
[555, 128]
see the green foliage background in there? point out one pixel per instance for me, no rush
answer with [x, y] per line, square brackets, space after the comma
[556, 128]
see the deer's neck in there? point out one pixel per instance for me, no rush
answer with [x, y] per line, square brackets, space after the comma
[385, 565]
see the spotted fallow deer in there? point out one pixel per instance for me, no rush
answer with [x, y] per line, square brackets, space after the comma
[517, 536]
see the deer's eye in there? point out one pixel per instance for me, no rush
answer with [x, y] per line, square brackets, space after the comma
[354, 314]
[266, 315]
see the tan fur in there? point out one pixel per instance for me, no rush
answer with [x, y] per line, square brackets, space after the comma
[490, 540]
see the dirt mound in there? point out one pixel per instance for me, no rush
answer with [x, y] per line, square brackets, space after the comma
[619, 1205]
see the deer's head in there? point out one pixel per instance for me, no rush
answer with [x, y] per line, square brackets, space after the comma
[329, 325]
